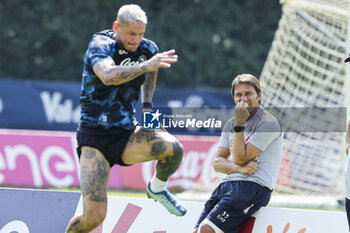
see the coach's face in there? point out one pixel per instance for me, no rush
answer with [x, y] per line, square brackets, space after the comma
[129, 35]
[246, 93]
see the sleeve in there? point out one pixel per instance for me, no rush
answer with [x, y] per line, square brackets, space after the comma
[225, 140]
[99, 49]
[150, 46]
[155, 50]
[225, 134]
[265, 134]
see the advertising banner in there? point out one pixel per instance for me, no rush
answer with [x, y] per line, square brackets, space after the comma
[44, 105]
[138, 215]
[40, 105]
[49, 159]
[39, 211]
[36, 211]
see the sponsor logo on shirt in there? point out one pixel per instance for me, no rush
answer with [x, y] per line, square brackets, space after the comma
[121, 52]
[128, 62]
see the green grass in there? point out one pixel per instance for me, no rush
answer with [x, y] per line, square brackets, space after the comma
[118, 193]
[127, 194]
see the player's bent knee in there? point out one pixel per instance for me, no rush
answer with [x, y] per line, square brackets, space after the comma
[178, 149]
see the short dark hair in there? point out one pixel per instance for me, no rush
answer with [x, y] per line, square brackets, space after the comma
[245, 79]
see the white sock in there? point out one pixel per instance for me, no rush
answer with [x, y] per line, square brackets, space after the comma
[157, 185]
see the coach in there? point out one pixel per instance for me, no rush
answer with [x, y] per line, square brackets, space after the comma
[254, 141]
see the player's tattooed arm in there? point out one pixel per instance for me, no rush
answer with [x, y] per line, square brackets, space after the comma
[148, 87]
[111, 74]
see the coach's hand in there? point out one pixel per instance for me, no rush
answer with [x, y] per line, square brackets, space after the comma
[249, 168]
[241, 113]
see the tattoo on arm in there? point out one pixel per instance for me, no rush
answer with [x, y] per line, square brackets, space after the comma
[111, 74]
[128, 73]
[149, 86]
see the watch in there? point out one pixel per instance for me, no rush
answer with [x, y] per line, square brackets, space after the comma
[238, 128]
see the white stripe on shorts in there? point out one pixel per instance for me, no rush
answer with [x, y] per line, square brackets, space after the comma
[208, 222]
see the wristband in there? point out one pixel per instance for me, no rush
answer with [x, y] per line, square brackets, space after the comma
[238, 128]
[147, 105]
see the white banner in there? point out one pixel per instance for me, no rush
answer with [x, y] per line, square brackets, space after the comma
[138, 215]
[280, 220]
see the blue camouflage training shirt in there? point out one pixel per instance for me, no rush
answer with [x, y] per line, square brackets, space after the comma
[104, 107]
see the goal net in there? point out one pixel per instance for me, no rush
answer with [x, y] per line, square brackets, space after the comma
[305, 69]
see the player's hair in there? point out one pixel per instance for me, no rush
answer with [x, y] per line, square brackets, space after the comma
[245, 79]
[131, 14]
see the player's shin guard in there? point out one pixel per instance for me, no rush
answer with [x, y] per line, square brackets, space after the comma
[347, 207]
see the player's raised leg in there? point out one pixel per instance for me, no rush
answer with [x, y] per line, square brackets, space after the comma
[94, 176]
[149, 144]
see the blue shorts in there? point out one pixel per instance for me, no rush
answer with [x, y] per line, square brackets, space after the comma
[111, 143]
[232, 203]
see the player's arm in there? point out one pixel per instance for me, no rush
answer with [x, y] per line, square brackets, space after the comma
[347, 139]
[223, 164]
[111, 74]
[147, 89]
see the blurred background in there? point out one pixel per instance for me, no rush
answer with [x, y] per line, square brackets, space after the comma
[215, 40]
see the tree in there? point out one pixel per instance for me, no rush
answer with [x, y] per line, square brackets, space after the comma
[215, 40]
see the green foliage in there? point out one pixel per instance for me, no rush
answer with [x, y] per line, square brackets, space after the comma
[215, 40]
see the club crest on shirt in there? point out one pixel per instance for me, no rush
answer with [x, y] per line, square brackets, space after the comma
[142, 58]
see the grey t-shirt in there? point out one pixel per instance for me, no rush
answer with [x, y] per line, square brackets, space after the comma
[264, 132]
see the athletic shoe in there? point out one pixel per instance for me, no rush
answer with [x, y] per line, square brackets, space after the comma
[168, 200]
